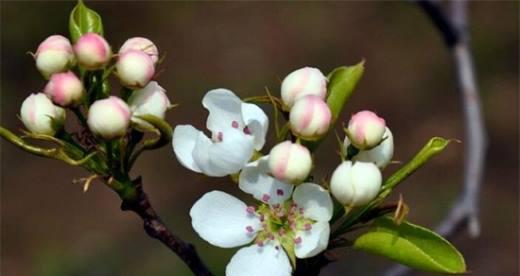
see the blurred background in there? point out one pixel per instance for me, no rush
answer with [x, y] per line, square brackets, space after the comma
[50, 227]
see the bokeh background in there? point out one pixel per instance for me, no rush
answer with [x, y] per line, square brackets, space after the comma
[50, 227]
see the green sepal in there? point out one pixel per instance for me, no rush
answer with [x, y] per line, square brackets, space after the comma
[411, 245]
[84, 20]
[161, 127]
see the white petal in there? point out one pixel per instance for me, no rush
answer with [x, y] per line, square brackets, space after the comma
[259, 261]
[231, 154]
[313, 241]
[202, 158]
[257, 122]
[223, 220]
[224, 107]
[184, 139]
[314, 200]
[254, 180]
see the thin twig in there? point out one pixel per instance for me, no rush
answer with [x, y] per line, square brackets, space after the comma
[155, 228]
[465, 210]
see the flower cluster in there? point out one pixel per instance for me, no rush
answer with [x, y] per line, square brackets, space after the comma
[69, 66]
[290, 218]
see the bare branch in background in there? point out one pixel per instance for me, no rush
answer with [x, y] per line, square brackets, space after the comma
[464, 212]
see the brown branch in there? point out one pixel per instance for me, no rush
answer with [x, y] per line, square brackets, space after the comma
[464, 212]
[155, 228]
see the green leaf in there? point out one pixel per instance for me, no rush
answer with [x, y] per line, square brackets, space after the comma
[434, 146]
[83, 20]
[342, 82]
[411, 245]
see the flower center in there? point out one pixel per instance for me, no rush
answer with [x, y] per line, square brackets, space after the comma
[280, 223]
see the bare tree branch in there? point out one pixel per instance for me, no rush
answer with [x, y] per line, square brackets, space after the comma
[464, 212]
[155, 228]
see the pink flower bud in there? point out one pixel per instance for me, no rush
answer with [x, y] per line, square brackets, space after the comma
[290, 162]
[303, 82]
[64, 89]
[109, 118]
[150, 100]
[54, 55]
[40, 115]
[310, 117]
[355, 184]
[141, 44]
[135, 69]
[365, 129]
[380, 155]
[92, 51]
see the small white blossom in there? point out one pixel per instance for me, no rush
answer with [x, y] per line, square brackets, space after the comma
[365, 129]
[355, 183]
[40, 115]
[303, 82]
[92, 51]
[142, 44]
[54, 55]
[151, 100]
[237, 129]
[65, 89]
[310, 117]
[290, 162]
[135, 68]
[293, 227]
[109, 118]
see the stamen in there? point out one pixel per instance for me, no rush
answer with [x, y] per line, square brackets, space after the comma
[249, 229]
[281, 232]
[247, 131]
[250, 209]
[277, 247]
[301, 211]
[308, 226]
[266, 197]
[234, 124]
[220, 136]
[260, 243]
[279, 192]
[262, 217]
[298, 240]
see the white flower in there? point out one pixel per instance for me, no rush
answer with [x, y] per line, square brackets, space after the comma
[109, 118]
[381, 155]
[40, 115]
[151, 100]
[297, 227]
[290, 162]
[135, 68]
[237, 129]
[142, 44]
[355, 184]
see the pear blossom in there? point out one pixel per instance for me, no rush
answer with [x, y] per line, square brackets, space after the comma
[290, 162]
[237, 130]
[65, 89]
[109, 118]
[277, 232]
[365, 129]
[380, 155]
[310, 117]
[355, 183]
[303, 82]
[151, 100]
[142, 44]
[54, 55]
[92, 51]
[135, 68]
[40, 115]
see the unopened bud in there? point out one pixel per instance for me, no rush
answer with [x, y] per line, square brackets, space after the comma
[92, 51]
[135, 68]
[355, 184]
[64, 89]
[150, 100]
[290, 162]
[310, 117]
[141, 44]
[109, 118]
[380, 155]
[365, 129]
[54, 55]
[41, 116]
[303, 82]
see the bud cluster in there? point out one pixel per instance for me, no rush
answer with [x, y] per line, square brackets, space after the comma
[71, 70]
